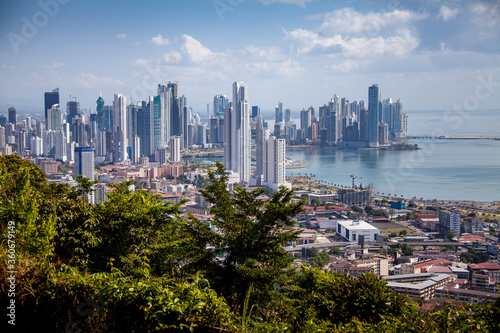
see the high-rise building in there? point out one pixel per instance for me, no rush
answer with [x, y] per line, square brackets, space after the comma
[61, 146]
[145, 123]
[449, 220]
[305, 122]
[175, 149]
[288, 116]
[255, 111]
[54, 118]
[2, 137]
[12, 116]
[373, 115]
[36, 146]
[101, 116]
[72, 110]
[220, 103]
[260, 139]
[136, 150]
[163, 113]
[237, 133]
[84, 162]
[278, 113]
[120, 128]
[275, 163]
[397, 119]
[333, 120]
[50, 98]
[22, 143]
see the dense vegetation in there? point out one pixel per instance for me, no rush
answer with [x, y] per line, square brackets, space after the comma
[133, 264]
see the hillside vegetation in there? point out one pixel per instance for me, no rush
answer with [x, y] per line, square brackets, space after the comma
[133, 264]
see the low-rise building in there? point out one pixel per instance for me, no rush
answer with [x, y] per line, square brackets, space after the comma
[420, 286]
[354, 230]
[465, 295]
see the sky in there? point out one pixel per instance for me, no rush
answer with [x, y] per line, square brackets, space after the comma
[433, 55]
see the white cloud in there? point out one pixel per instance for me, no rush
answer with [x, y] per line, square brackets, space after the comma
[300, 3]
[172, 57]
[54, 65]
[89, 80]
[121, 36]
[486, 14]
[159, 40]
[351, 22]
[196, 52]
[447, 13]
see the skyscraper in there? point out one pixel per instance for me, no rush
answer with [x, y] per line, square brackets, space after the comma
[51, 98]
[275, 164]
[373, 115]
[54, 118]
[12, 116]
[237, 133]
[120, 128]
[278, 116]
[84, 162]
[101, 116]
[260, 138]
[175, 149]
[163, 113]
[220, 103]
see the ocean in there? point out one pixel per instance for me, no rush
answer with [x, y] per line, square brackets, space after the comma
[442, 169]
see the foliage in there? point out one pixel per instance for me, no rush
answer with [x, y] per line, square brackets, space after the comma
[376, 212]
[474, 257]
[406, 249]
[133, 264]
[246, 248]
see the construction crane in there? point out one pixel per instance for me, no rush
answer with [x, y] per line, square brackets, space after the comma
[354, 177]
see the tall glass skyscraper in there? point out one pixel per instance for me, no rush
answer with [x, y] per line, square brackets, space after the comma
[51, 98]
[373, 115]
[220, 103]
[237, 133]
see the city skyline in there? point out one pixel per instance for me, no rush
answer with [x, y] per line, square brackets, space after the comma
[299, 52]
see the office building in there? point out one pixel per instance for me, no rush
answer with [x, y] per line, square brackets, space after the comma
[12, 116]
[356, 231]
[119, 129]
[237, 133]
[54, 118]
[255, 111]
[50, 98]
[101, 116]
[373, 115]
[72, 110]
[220, 103]
[278, 113]
[84, 162]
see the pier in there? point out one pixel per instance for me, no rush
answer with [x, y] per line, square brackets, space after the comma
[455, 137]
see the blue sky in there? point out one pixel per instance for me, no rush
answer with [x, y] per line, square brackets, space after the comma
[434, 55]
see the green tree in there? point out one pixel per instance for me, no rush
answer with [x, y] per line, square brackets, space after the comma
[247, 247]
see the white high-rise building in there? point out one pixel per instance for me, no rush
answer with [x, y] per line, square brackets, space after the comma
[275, 163]
[261, 135]
[36, 146]
[237, 133]
[120, 128]
[175, 149]
[136, 150]
[2, 137]
[61, 146]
